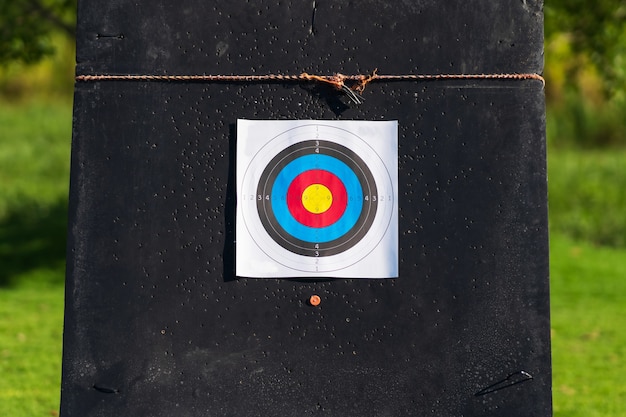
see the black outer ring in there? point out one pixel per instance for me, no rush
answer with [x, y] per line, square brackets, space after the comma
[317, 249]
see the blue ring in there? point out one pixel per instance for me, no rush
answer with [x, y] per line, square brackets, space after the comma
[321, 234]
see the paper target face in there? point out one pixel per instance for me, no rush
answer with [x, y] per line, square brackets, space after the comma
[316, 198]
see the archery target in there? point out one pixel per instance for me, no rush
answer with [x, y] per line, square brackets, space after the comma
[314, 198]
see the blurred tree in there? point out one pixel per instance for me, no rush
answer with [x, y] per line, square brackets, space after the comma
[26, 25]
[595, 30]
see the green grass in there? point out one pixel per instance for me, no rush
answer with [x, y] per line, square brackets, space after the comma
[31, 320]
[587, 199]
[588, 195]
[34, 169]
[34, 154]
[574, 120]
[587, 204]
[588, 287]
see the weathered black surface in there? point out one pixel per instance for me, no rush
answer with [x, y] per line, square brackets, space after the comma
[156, 322]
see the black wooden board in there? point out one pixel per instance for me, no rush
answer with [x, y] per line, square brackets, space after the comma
[156, 322]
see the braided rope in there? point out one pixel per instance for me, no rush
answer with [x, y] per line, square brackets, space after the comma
[359, 82]
[336, 79]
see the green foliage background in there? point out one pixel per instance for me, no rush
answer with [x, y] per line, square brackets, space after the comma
[26, 27]
[585, 71]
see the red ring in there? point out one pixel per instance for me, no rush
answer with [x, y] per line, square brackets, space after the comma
[330, 181]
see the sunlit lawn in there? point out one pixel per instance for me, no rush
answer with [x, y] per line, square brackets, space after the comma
[34, 168]
[588, 331]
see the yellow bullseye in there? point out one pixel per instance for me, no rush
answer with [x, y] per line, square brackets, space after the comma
[317, 198]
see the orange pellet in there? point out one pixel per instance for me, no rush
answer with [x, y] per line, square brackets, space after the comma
[315, 300]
